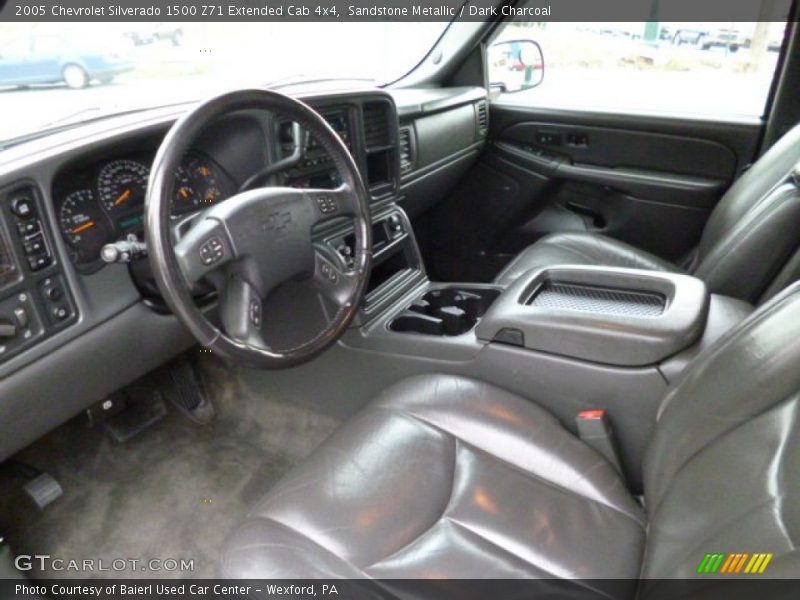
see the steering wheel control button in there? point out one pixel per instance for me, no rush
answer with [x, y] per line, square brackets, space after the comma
[212, 250]
[327, 204]
[255, 313]
[329, 272]
[22, 206]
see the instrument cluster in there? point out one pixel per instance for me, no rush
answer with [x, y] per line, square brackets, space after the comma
[109, 205]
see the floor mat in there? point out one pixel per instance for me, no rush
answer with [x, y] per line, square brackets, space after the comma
[175, 491]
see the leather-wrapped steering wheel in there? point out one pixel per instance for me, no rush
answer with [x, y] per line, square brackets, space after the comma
[252, 242]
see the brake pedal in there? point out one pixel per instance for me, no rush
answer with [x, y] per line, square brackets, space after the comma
[144, 408]
[185, 390]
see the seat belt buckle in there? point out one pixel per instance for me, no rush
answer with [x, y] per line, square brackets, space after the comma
[594, 429]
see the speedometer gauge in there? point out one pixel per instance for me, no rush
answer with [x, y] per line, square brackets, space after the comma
[84, 225]
[122, 185]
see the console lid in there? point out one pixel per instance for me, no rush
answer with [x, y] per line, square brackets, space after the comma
[624, 317]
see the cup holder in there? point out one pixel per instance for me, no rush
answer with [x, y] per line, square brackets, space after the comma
[446, 311]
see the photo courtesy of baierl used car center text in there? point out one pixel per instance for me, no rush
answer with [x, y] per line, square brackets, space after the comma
[399, 299]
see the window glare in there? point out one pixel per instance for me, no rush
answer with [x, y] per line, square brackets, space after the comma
[126, 66]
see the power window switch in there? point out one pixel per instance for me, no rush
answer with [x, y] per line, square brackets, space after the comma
[579, 140]
[548, 138]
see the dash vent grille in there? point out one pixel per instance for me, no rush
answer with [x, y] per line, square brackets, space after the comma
[406, 156]
[483, 117]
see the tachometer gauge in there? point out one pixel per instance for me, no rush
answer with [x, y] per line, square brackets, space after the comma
[84, 225]
[122, 185]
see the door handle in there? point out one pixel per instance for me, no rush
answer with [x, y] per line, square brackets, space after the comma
[598, 220]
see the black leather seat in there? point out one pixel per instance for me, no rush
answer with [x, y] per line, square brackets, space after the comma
[447, 477]
[752, 233]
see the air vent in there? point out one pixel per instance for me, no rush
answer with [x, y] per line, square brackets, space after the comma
[483, 117]
[376, 125]
[406, 156]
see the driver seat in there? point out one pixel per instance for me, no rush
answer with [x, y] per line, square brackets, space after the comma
[446, 477]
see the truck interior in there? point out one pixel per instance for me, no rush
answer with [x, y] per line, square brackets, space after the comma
[431, 327]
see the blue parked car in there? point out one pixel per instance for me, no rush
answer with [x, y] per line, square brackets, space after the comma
[52, 59]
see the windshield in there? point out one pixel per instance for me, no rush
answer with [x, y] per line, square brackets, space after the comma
[51, 75]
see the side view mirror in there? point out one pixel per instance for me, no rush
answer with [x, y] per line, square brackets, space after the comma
[515, 65]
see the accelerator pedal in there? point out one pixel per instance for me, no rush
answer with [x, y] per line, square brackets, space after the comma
[185, 390]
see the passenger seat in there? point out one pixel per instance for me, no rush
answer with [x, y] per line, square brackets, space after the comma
[750, 240]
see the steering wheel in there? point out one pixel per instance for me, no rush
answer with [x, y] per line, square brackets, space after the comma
[252, 242]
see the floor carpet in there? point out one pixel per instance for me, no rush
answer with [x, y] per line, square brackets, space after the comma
[175, 491]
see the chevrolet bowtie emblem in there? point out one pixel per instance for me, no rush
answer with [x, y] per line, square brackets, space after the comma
[277, 221]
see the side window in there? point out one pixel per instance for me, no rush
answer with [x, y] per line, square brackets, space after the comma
[720, 69]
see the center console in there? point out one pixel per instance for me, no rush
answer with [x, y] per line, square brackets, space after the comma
[570, 338]
[445, 310]
[396, 261]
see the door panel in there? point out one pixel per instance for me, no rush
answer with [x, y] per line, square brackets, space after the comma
[649, 181]
[619, 148]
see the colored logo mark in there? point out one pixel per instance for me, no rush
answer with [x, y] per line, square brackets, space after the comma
[734, 562]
